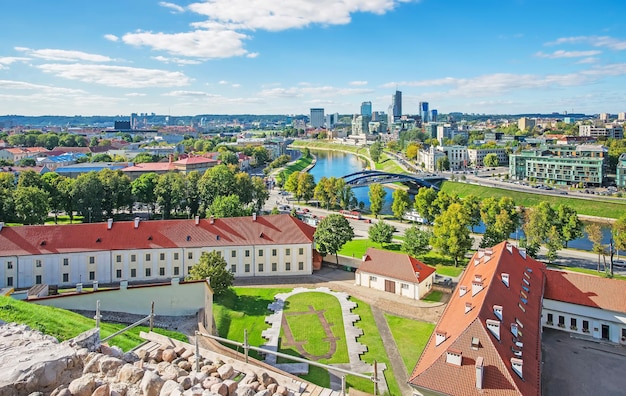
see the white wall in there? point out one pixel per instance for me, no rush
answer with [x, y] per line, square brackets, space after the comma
[413, 290]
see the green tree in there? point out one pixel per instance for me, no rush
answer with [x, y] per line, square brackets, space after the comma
[51, 181]
[101, 157]
[116, 191]
[291, 184]
[260, 194]
[212, 266]
[227, 206]
[169, 193]
[416, 241]
[451, 234]
[27, 162]
[31, 205]
[376, 150]
[192, 193]
[142, 158]
[228, 158]
[344, 194]
[275, 211]
[618, 231]
[425, 203]
[538, 223]
[443, 164]
[471, 203]
[68, 199]
[491, 160]
[219, 180]
[569, 225]
[332, 233]
[261, 156]
[554, 243]
[29, 178]
[306, 186]
[381, 232]
[594, 233]
[501, 219]
[88, 194]
[401, 202]
[377, 198]
[321, 192]
[143, 189]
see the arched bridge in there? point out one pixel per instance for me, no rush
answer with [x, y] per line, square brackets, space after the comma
[367, 177]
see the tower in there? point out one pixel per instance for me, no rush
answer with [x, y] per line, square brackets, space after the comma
[424, 113]
[396, 103]
[366, 109]
[317, 118]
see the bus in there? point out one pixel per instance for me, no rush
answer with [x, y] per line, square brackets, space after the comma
[351, 214]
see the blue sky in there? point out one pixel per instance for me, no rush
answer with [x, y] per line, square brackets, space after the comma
[187, 57]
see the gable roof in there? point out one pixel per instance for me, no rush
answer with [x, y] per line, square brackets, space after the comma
[588, 290]
[154, 234]
[395, 265]
[195, 160]
[466, 317]
[150, 167]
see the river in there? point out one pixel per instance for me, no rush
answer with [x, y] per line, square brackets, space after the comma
[338, 164]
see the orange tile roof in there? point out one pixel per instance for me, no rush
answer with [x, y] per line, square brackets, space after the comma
[588, 290]
[154, 234]
[195, 160]
[395, 265]
[150, 167]
[466, 317]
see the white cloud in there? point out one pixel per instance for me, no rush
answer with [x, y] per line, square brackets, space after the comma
[192, 94]
[567, 54]
[7, 60]
[178, 61]
[26, 86]
[111, 37]
[196, 44]
[596, 41]
[117, 76]
[358, 83]
[223, 82]
[135, 94]
[422, 83]
[175, 8]
[587, 60]
[64, 55]
[305, 90]
[252, 55]
[236, 85]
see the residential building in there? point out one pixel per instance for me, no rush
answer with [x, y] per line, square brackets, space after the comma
[488, 340]
[141, 251]
[431, 129]
[424, 113]
[621, 116]
[54, 162]
[332, 120]
[360, 125]
[604, 117]
[396, 104]
[366, 109]
[15, 154]
[562, 164]
[476, 156]
[457, 155]
[614, 131]
[396, 273]
[427, 158]
[620, 178]
[317, 118]
[525, 123]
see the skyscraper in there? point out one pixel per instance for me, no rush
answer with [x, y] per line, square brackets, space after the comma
[424, 113]
[317, 118]
[396, 103]
[433, 115]
[366, 109]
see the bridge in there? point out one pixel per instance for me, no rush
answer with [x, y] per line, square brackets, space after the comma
[367, 177]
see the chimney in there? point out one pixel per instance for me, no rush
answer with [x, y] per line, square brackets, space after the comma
[109, 224]
[197, 218]
[254, 216]
[479, 372]
[462, 290]
[211, 220]
[494, 327]
[440, 336]
[454, 357]
[516, 365]
[477, 286]
[137, 219]
[468, 307]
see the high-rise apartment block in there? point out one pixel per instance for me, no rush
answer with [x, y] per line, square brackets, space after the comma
[366, 109]
[525, 123]
[317, 118]
[396, 103]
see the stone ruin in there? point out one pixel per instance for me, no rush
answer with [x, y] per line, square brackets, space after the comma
[32, 363]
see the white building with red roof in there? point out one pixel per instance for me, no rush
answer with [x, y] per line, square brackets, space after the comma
[157, 250]
[15, 154]
[396, 273]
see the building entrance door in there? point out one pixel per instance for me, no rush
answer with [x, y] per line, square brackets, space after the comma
[605, 332]
[390, 286]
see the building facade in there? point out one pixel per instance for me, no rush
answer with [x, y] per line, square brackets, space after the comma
[366, 109]
[476, 156]
[396, 105]
[609, 131]
[424, 112]
[317, 118]
[457, 155]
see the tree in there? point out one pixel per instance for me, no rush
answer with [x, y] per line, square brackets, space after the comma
[213, 267]
[332, 233]
[275, 211]
[451, 234]
[27, 162]
[169, 193]
[569, 225]
[594, 233]
[31, 205]
[261, 156]
[145, 157]
[491, 160]
[443, 164]
[88, 194]
[343, 193]
[381, 232]
[554, 243]
[321, 192]
[228, 158]
[143, 188]
[376, 149]
[291, 184]
[51, 181]
[29, 178]
[227, 206]
[416, 241]
[471, 203]
[401, 202]
[260, 194]
[377, 198]
[618, 232]
[412, 149]
[101, 157]
[306, 186]
[67, 198]
[501, 219]
[538, 223]
[192, 194]
[424, 203]
[116, 191]
[219, 180]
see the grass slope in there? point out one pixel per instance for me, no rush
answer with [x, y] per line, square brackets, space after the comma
[63, 324]
[411, 337]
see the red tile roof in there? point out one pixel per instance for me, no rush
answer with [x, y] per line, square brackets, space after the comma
[395, 265]
[150, 167]
[588, 290]
[195, 160]
[32, 150]
[462, 325]
[154, 234]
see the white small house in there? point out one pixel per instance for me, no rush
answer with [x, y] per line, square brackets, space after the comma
[395, 273]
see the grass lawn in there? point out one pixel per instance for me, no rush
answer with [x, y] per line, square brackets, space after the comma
[297, 166]
[586, 271]
[64, 325]
[433, 296]
[388, 164]
[411, 337]
[597, 207]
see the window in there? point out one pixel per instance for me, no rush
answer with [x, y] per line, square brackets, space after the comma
[405, 286]
[233, 254]
[247, 253]
[9, 264]
[162, 271]
[38, 263]
[92, 259]
[118, 258]
[10, 281]
[550, 319]
[288, 252]
[247, 268]
[148, 272]
[133, 258]
[133, 273]
[300, 265]
[233, 268]
[175, 256]
[92, 275]
[573, 324]
[274, 253]
[585, 326]
[118, 273]
[260, 252]
[274, 267]
[162, 256]
[66, 261]
[287, 266]
[301, 251]
[190, 255]
[373, 279]
[148, 257]
[260, 267]
[176, 271]
[561, 321]
[66, 278]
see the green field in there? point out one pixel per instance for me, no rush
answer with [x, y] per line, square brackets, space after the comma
[63, 324]
[411, 337]
[597, 207]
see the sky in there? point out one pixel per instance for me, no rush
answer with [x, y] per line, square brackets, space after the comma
[188, 57]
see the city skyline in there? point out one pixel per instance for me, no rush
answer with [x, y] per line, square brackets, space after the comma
[285, 57]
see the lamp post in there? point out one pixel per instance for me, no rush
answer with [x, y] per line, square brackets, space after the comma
[89, 209]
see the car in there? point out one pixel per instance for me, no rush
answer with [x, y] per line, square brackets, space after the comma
[619, 263]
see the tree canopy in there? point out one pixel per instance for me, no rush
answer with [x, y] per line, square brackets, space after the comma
[213, 266]
[332, 233]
